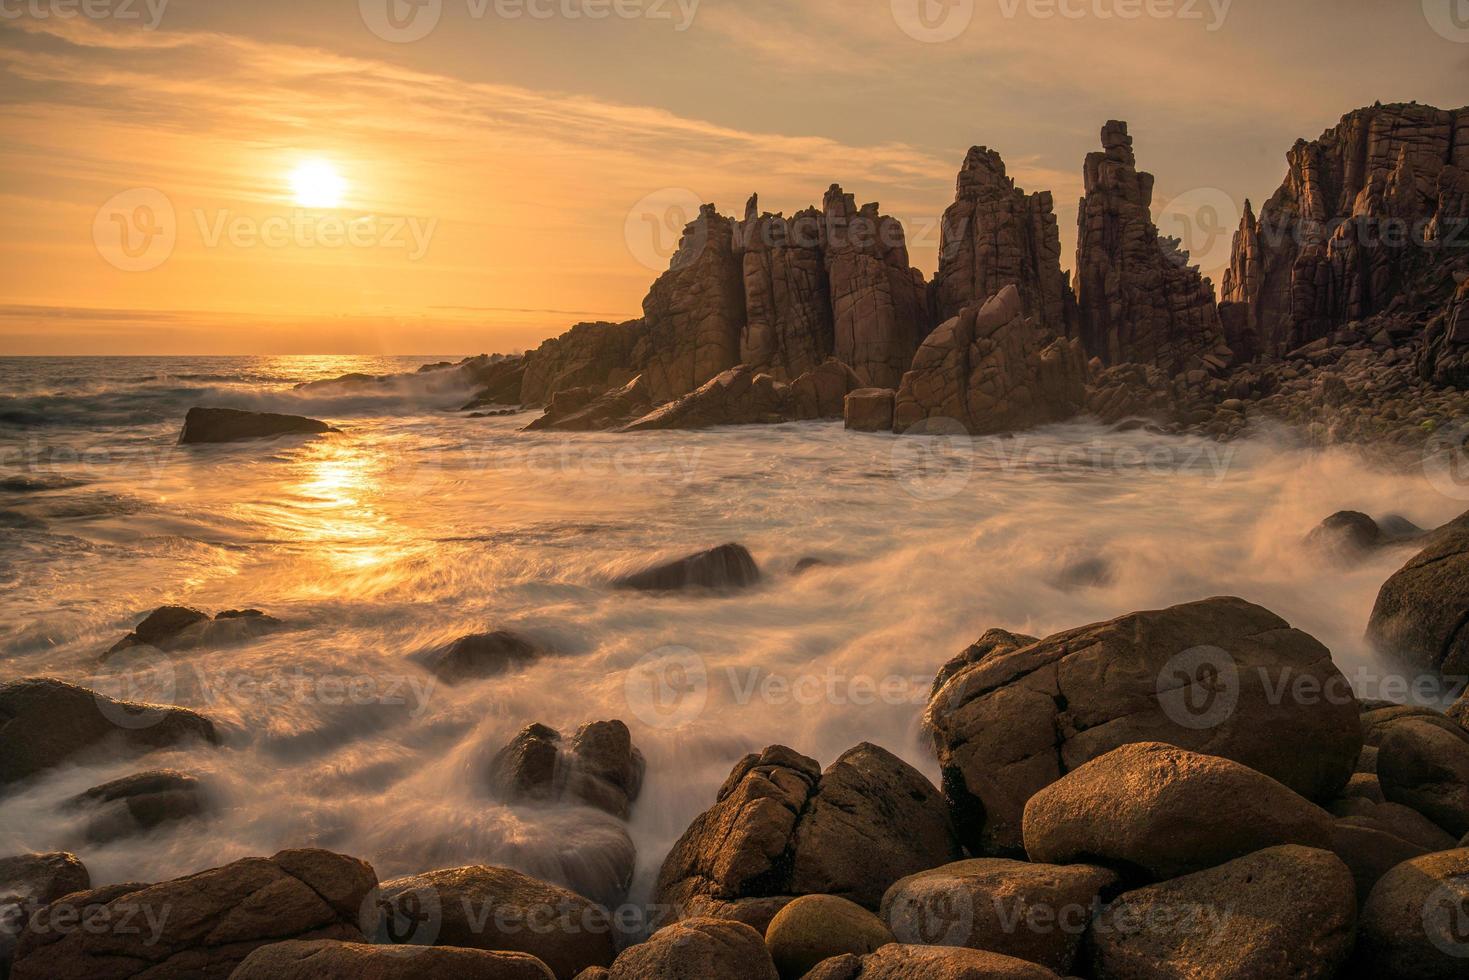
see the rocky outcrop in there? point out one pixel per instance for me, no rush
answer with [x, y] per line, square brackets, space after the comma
[729, 566]
[201, 926]
[821, 392]
[586, 410]
[1204, 676]
[1444, 359]
[1280, 912]
[995, 235]
[1364, 224]
[992, 370]
[45, 723]
[325, 959]
[781, 828]
[740, 396]
[788, 314]
[1138, 299]
[173, 628]
[869, 409]
[29, 882]
[1412, 924]
[140, 802]
[206, 425]
[601, 767]
[1422, 611]
[589, 355]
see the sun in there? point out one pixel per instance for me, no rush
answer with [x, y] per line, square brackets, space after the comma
[317, 184]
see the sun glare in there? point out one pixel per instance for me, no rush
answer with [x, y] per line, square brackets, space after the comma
[317, 184]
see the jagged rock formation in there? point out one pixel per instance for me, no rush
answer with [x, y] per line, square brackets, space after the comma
[1370, 220]
[992, 369]
[588, 355]
[995, 235]
[1138, 299]
[740, 396]
[788, 328]
[1444, 359]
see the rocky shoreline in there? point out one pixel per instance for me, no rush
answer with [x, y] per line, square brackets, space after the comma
[1188, 792]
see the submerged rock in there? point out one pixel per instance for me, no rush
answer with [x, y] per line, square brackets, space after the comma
[601, 767]
[204, 425]
[171, 628]
[29, 882]
[729, 566]
[1349, 534]
[141, 802]
[480, 655]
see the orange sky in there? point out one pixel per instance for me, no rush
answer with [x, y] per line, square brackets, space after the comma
[524, 164]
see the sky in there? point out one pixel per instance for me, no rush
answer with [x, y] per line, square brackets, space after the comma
[467, 176]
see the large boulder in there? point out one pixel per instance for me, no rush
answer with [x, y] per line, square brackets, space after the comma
[992, 369]
[899, 962]
[742, 395]
[781, 828]
[1370, 850]
[703, 948]
[1034, 912]
[729, 566]
[585, 410]
[174, 628]
[1154, 811]
[45, 722]
[198, 927]
[869, 409]
[140, 802]
[1349, 534]
[814, 928]
[480, 655]
[1422, 609]
[1427, 768]
[203, 425]
[601, 767]
[325, 959]
[1221, 677]
[1279, 912]
[499, 910]
[29, 882]
[821, 393]
[1413, 923]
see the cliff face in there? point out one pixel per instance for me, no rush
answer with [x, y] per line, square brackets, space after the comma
[788, 328]
[1138, 299]
[1368, 221]
[995, 235]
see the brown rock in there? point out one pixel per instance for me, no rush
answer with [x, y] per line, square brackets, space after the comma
[898, 962]
[814, 928]
[29, 882]
[601, 768]
[480, 655]
[869, 409]
[1412, 925]
[821, 393]
[1426, 768]
[740, 396]
[729, 566]
[1369, 850]
[141, 802]
[173, 628]
[709, 949]
[326, 959]
[1422, 610]
[596, 356]
[204, 425]
[788, 317]
[583, 410]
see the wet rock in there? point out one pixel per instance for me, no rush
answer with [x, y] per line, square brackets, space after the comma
[582, 410]
[1422, 610]
[821, 393]
[1369, 851]
[173, 628]
[45, 723]
[1154, 811]
[807, 564]
[601, 768]
[1280, 912]
[141, 802]
[1349, 534]
[1205, 676]
[729, 566]
[326, 959]
[870, 409]
[481, 655]
[592, 356]
[814, 928]
[29, 882]
[709, 949]
[202, 925]
[1034, 912]
[1427, 768]
[740, 396]
[206, 425]
[994, 641]
[1412, 923]
[781, 828]
[499, 910]
[899, 962]
[788, 318]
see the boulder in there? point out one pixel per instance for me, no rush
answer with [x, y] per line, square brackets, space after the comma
[140, 802]
[1425, 767]
[1401, 821]
[198, 927]
[499, 910]
[584, 410]
[481, 655]
[703, 948]
[1348, 534]
[203, 425]
[729, 566]
[593, 356]
[1221, 677]
[781, 828]
[1034, 912]
[1369, 850]
[742, 395]
[813, 928]
[1422, 609]
[1412, 925]
[899, 962]
[1153, 811]
[29, 882]
[1377, 722]
[326, 959]
[821, 393]
[992, 370]
[173, 628]
[45, 722]
[1280, 912]
[601, 768]
[869, 409]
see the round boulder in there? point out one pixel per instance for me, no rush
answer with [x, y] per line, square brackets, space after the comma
[1427, 768]
[325, 959]
[1414, 922]
[817, 927]
[898, 962]
[1421, 611]
[710, 949]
